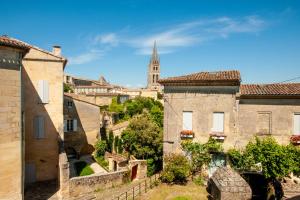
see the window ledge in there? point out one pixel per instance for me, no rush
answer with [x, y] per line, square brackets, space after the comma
[218, 135]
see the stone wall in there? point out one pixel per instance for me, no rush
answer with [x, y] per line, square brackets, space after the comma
[88, 125]
[226, 184]
[11, 175]
[242, 117]
[41, 155]
[88, 184]
[203, 104]
[281, 113]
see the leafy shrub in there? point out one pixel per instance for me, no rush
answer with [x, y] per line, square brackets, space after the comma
[83, 169]
[199, 181]
[176, 169]
[200, 154]
[277, 160]
[100, 148]
[102, 162]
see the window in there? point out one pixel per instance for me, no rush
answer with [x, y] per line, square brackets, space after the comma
[187, 120]
[70, 104]
[43, 91]
[218, 122]
[297, 124]
[39, 127]
[263, 123]
[153, 80]
[70, 125]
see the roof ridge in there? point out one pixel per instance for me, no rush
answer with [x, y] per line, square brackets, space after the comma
[34, 47]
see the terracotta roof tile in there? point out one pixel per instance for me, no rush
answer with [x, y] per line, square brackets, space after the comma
[270, 89]
[205, 77]
[6, 41]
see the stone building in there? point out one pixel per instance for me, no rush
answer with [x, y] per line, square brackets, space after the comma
[34, 96]
[215, 104]
[154, 70]
[81, 124]
[91, 87]
[11, 119]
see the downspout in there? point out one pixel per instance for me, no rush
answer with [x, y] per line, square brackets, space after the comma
[22, 130]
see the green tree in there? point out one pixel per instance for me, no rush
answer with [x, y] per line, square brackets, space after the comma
[68, 88]
[157, 115]
[100, 148]
[176, 169]
[277, 160]
[116, 144]
[143, 139]
[110, 142]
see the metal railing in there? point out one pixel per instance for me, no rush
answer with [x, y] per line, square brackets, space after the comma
[139, 189]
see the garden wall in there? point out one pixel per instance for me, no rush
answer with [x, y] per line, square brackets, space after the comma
[92, 183]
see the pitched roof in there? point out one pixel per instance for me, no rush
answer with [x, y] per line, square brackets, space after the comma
[205, 78]
[277, 89]
[10, 42]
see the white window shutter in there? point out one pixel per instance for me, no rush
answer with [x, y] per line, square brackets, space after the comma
[187, 120]
[297, 124]
[46, 91]
[74, 124]
[65, 126]
[218, 122]
[43, 91]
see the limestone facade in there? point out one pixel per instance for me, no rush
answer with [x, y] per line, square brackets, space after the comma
[42, 77]
[11, 135]
[209, 99]
[87, 116]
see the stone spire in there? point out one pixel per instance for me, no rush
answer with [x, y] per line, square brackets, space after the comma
[153, 70]
[154, 57]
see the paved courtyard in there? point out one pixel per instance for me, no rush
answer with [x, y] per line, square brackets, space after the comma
[42, 191]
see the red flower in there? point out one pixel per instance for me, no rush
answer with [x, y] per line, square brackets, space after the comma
[295, 139]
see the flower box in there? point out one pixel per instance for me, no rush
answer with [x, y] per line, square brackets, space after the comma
[295, 139]
[187, 134]
[218, 136]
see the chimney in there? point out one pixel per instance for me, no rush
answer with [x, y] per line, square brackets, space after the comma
[56, 50]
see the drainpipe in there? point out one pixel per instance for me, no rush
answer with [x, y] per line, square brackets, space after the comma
[22, 130]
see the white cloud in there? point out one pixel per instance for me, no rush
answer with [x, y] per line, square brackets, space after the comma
[86, 57]
[107, 39]
[196, 32]
[170, 39]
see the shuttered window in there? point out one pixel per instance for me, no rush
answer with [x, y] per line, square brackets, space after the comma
[297, 124]
[43, 91]
[187, 120]
[70, 125]
[218, 122]
[263, 123]
[39, 127]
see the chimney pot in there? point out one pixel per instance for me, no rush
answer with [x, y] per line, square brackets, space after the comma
[56, 50]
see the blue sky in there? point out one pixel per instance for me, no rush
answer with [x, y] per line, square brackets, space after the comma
[115, 38]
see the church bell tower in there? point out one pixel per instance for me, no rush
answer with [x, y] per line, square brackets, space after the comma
[153, 70]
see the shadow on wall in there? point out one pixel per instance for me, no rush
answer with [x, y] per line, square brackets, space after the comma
[42, 137]
[75, 140]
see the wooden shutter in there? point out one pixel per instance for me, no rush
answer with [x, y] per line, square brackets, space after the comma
[187, 120]
[43, 91]
[74, 124]
[39, 127]
[218, 122]
[297, 124]
[65, 126]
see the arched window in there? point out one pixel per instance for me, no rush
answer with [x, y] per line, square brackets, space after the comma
[153, 79]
